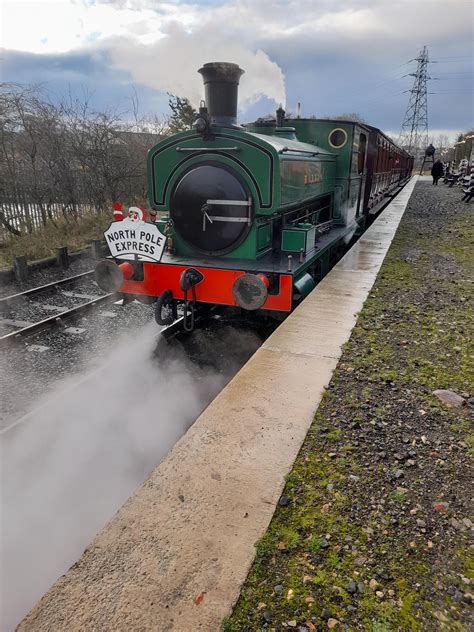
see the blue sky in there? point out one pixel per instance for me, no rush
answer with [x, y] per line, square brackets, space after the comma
[333, 57]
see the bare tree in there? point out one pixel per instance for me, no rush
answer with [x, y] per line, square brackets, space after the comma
[26, 122]
[346, 116]
[64, 157]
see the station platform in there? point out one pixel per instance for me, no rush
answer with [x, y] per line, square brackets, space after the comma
[374, 530]
[176, 555]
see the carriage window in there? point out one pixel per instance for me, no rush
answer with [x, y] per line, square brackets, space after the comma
[361, 154]
[337, 138]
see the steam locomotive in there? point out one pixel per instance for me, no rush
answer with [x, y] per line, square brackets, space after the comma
[249, 217]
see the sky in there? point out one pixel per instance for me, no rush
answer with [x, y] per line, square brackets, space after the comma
[332, 56]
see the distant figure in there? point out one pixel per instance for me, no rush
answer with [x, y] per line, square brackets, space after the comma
[468, 190]
[430, 150]
[464, 167]
[437, 171]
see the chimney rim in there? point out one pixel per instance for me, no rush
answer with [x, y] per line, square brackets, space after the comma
[223, 66]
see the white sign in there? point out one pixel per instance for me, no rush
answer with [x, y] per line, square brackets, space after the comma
[129, 238]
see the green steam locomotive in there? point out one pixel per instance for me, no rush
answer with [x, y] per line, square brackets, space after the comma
[250, 217]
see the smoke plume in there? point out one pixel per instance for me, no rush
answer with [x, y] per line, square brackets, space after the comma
[171, 64]
[69, 467]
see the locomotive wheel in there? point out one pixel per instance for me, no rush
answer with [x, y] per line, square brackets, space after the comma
[165, 309]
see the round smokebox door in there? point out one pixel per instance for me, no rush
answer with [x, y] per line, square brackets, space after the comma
[209, 209]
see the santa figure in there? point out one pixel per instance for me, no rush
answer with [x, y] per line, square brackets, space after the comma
[136, 214]
[117, 212]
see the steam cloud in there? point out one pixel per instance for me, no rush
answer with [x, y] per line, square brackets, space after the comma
[67, 470]
[171, 64]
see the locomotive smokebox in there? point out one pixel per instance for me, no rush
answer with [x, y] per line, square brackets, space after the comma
[221, 82]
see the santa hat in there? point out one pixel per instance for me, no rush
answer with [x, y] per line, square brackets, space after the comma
[117, 211]
[140, 211]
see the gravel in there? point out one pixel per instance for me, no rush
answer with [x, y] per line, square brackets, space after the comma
[32, 366]
[408, 517]
[37, 307]
[48, 275]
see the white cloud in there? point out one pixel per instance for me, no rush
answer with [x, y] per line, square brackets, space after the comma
[161, 45]
[61, 26]
[171, 64]
[327, 47]
[67, 24]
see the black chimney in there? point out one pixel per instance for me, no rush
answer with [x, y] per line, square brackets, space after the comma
[280, 117]
[221, 81]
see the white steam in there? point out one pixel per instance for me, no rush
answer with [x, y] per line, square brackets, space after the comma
[68, 468]
[171, 63]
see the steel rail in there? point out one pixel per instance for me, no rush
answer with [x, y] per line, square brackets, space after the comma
[167, 333]
[170, 330]
[43, 288]
[56, 319]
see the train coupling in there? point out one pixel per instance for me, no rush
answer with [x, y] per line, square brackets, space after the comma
[188, 280]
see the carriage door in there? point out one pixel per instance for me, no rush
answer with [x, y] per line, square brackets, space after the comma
[361, 159]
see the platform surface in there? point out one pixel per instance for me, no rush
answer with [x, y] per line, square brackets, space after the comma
[175, 556]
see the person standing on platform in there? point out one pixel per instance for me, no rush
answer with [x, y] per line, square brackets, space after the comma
[437, 171]
[468, 190]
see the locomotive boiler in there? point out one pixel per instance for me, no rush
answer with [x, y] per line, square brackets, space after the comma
[249, 217]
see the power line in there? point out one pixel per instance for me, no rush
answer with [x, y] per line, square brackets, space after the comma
[373, 95]
[443, 59]
[451, 61]
[372, 86]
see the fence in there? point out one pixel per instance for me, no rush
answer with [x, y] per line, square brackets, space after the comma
[24, 216]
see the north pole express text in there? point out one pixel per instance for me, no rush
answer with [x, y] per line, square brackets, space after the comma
[128, 240]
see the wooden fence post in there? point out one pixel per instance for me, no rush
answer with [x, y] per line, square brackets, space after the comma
[96, 249]
[20, 268]
[62, 257]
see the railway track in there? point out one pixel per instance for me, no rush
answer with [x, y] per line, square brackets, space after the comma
[100, 435]
[47, 306]
[167, 333]
[200, 347]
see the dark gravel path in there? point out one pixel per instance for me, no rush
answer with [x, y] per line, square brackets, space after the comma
[48, 275]
[33, 366]
[373, 530]
[32, 309]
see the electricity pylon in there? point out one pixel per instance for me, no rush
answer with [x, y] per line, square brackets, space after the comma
[414, 132]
